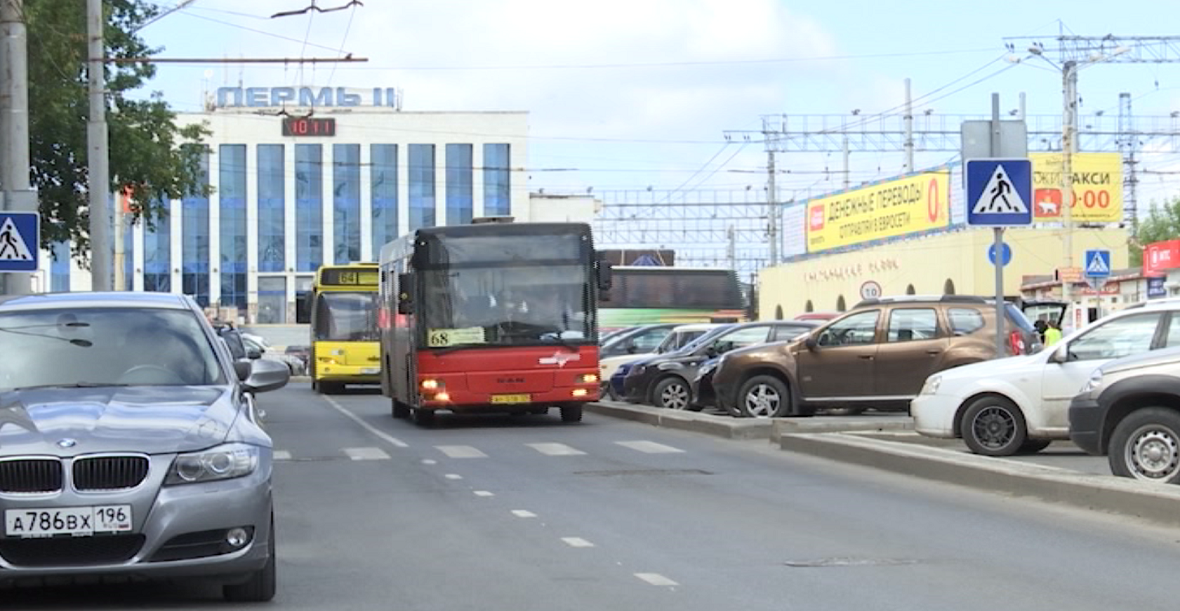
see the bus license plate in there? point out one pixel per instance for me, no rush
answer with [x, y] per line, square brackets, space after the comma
[511, 398]
[370, 371]
[73, 521]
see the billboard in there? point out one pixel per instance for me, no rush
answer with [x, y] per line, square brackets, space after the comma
[1097, 187]
[902, 206]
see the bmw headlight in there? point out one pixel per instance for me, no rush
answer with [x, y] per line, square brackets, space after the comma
[1094, 383]
[931, 385]
[222, 462]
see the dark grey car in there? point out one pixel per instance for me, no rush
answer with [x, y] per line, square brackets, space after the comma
[130, 444]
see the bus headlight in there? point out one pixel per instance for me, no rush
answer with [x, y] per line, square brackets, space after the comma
[430, 384]
[588, 378]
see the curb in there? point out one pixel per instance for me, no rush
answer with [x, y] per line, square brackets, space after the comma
[839, 424]
[719, 426]
[1155, 502]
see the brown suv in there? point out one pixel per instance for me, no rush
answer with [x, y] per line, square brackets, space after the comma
[877, 355]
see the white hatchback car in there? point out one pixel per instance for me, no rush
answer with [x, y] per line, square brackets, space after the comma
[1021, 403]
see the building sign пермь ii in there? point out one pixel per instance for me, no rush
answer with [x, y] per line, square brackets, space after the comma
[309, 97]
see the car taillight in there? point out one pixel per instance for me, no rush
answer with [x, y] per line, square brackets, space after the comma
[1016, 343]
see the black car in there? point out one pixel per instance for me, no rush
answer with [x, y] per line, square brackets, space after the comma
[702, 382]
[665, 380]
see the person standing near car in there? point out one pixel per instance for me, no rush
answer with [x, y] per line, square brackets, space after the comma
[1052, 334]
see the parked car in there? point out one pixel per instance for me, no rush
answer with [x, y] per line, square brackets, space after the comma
[1129, 411]
[636, 340]
[702, 383]
[877, 355]
[1021, 404]
[665, 380]
[614, 369]
[132, 445]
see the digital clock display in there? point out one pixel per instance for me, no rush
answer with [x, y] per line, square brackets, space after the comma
[309, 126]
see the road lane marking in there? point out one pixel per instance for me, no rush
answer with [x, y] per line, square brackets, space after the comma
[453, 476]
[282, 455]
[460, 452]
[523, 513]
[577, 542]
[649, 447]
[483, 493]
[555, 449]
[366, 453]
[368, 427]
[429, 461]
[656, 579]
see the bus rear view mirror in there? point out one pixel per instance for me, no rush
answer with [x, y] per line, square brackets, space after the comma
[405, 302]
[605, 275]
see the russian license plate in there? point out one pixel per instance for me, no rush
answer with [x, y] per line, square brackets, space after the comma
[72, 521]
[511, 398]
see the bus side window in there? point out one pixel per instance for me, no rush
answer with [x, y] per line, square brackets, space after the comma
[405, 303]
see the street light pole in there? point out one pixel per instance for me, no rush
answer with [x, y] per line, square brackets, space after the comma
[97, 153]
[1069, 75]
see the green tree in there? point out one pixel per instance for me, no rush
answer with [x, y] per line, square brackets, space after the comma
[149, 153]
[1163, 223]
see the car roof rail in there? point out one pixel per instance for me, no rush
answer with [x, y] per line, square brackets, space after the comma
[921, 299]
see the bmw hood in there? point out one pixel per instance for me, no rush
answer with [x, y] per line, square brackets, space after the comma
[150, 419]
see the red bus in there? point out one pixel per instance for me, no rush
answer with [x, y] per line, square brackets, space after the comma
[494, 316]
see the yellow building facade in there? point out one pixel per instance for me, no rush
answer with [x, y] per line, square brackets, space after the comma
[951, 262]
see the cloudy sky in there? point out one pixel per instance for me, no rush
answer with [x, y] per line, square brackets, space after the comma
[626, 94]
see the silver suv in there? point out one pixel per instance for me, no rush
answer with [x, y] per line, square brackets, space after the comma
[1129, 410]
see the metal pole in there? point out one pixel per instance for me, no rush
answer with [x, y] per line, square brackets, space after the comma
[1070, 82]
[1022, 107]
[847, 170]
[909, 129]
[772, 209]
[998, 241]
[14, 128]
[96, 145]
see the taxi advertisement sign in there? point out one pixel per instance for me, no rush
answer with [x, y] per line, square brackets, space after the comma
[911, 204]
[1097, 187]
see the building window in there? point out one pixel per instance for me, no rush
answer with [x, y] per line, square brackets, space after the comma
[346, 205]
[496, 180]
[383, 158]
[459, 185]
[272, 300]
[840, 305]
[59, 269]
[421, 185]
[909, 290]
[948, 287]
[194, 223]
[157, 253]
[309, 207]
[232, 205]
[778, 312]
[810, 307]
[271, 198]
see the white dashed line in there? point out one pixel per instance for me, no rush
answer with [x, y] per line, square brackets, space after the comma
[429, 461]
[555, 449]
[483, 493]
[366, 453]
[649, 447]
[368, 427]
[656, 579]
[577, 542]
[460, 452]
[522, 513]
[453, 476]
[282, 455]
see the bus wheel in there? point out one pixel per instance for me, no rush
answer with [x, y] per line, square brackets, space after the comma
[329, 388]
[571, 413]
[400, 410]
[422, 417]
[539, 411]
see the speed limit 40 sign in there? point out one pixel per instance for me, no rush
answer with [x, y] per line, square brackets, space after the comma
[870, 290]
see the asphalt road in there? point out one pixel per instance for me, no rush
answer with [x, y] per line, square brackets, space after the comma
[523, 513]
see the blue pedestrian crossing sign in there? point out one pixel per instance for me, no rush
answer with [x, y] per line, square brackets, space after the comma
[1097, 264]
[999, 192]
[19, 240]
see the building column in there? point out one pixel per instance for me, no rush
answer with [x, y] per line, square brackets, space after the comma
[251, 232]
[290, 261]
[215, 226]
[369, 250]
[440, 184]
[137, 255]
[477, 179]
[176, 245]
[402, 169]
[329, 206]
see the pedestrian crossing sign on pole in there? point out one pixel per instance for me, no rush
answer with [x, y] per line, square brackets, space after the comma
[999, 192]
[19, 241]
[1097, 264]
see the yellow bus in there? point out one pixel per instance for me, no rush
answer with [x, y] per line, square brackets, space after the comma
[345, 340]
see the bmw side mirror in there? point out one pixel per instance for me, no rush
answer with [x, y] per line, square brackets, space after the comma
[266, 375]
